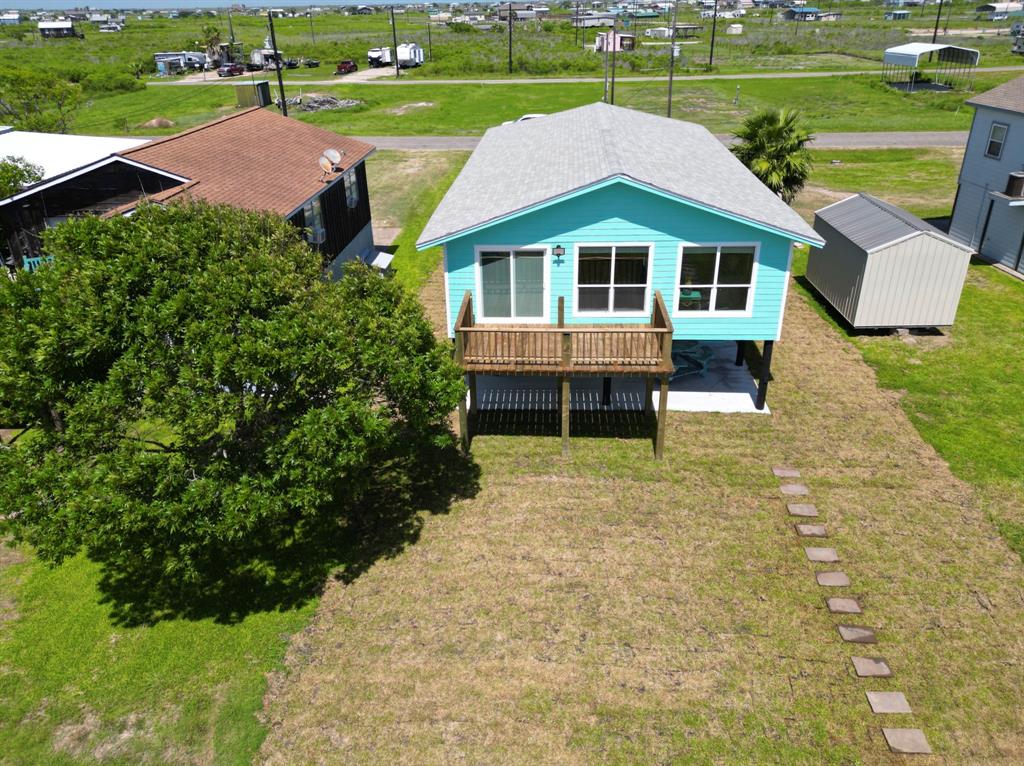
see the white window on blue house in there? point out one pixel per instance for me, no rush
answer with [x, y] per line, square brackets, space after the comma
[512, 284]
[612, 279]
[716, 278]
[996, 140]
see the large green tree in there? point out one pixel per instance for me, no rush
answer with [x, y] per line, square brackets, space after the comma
[16, 173]
[38, 100]
[773, 145]
[198, 400]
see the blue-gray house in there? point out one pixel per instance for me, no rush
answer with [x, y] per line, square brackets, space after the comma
[597, 241]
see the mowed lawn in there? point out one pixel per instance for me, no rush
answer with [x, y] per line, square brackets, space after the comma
[608, 608]
[849, 103]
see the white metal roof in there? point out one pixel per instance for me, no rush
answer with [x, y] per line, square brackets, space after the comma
[910, 54]
[873, 224]
[519, 166]
[58, 153]
[56, 24]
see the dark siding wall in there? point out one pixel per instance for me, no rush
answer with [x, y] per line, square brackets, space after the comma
[342, 223]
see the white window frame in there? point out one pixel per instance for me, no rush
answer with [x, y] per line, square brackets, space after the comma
[747, 312]
[478, 299]
[1002, 144]
[350, 179]
[611, 314]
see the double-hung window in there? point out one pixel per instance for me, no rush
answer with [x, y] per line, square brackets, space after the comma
[996, 140]
[612, 279]
[351, 181]
[314, 220]
[716, 278]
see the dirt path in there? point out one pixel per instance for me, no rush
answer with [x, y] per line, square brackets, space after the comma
[610, 608]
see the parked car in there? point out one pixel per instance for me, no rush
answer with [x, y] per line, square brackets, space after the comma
[252, 66]
[311, 63]
[230, 70]
[291, 64]
[348, 66]
[524, 118]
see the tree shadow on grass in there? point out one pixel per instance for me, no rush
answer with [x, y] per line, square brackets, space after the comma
[275, 575]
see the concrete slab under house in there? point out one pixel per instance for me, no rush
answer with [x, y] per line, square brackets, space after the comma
[580, 272]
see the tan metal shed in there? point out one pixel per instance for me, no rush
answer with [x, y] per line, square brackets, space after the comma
[883, 267]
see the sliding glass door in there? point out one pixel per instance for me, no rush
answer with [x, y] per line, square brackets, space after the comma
[512, 284]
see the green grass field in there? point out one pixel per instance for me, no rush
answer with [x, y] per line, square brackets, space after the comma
[854, 103]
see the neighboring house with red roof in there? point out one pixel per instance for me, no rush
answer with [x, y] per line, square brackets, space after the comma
[254, 159]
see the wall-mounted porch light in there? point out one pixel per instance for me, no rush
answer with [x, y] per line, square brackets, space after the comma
[558, 251]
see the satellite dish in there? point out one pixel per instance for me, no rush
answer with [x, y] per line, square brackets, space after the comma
[325, 164]
[333, 156]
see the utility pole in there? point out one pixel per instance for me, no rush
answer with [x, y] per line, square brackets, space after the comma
[312, 34]
[510, 38]
[430, 45]
[279, 63]
[714, 28]
[394, 39]
[231, 28]
[576, 22]
[615, 36]
[938, 17]
[672, 55]
[604, 36]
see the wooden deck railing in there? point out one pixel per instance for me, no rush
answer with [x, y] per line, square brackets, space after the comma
[608, 349]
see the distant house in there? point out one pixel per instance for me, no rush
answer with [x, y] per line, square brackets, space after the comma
[57, 29]
[520, 11]
[883, 267]
[897, 15]
[254, 159]
[592, 19]
[801, 14]
[988, 212]
[175, 62]
[563, 221]
[614, 41]
[6, 19]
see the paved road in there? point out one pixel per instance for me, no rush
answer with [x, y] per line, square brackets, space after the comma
[560, 80]
[910, 140]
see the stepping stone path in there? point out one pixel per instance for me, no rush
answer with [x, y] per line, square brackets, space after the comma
[888, 702]
[910, 741]
[858, 634]
[871, 667]
[832, 579]
[843, 606]
[802, 509]
[811, 530]
[822, 555]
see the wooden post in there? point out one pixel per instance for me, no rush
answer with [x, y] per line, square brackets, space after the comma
[564, 381]
[463, 424]
[561, 311]
[659, 441]
[766, 373]
[606, 392]
[473, 402]
[648, 395]
[740, 348]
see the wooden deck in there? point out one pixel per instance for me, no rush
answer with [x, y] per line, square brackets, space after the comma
[566, 351]
[560, 349]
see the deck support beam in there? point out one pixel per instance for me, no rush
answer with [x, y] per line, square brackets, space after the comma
[473, 401]
[741, 347]
[563, 387]
[766, 373]
[648, 395]
[659, 440]
[606, 392]
[463, 424]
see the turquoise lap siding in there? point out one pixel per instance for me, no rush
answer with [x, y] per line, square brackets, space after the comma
[624, 213]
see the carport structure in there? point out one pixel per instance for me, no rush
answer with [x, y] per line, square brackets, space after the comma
[947, 67]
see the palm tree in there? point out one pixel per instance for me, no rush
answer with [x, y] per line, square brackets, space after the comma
[773, 145]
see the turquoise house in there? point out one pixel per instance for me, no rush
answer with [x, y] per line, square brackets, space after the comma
[602, 241]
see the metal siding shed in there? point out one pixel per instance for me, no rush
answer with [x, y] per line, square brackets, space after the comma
[883, 267]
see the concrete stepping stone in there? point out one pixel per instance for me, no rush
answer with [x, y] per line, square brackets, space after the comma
[911, 741]
[822, 555]
[843, 606]
[785, 472]
[794, 489]
[871, 667]
[802, 509]
[888, 702]
[832, 579]
[858, 634]
[811, 530]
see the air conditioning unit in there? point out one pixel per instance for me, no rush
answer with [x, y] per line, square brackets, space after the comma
[1015, 184]
[317, 236]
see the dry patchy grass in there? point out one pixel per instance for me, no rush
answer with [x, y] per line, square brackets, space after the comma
[607, 608]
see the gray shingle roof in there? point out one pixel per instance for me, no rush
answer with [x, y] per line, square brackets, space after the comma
[1008, 96]
[870, 223]
[524, 164]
